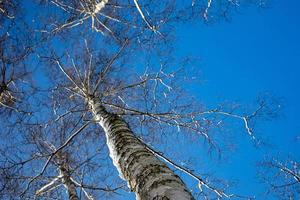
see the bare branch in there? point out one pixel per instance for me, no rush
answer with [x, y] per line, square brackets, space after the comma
[53, 154]
[107, 67]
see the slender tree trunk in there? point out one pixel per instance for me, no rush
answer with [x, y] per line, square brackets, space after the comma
[64, 170]
[145, 174]
[62, 159]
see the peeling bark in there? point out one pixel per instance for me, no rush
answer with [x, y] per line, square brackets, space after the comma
[145, 174]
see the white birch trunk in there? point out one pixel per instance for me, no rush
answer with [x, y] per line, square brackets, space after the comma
[64, 170]
[145, 174]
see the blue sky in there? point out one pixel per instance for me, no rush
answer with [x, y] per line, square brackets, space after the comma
[257, 51]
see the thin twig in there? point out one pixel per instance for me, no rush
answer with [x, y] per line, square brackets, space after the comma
[105, 70]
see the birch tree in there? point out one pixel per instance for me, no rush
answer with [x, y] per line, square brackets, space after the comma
[162, 176]
[49, 164]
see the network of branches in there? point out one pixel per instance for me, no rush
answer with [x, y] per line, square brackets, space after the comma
[58, 54]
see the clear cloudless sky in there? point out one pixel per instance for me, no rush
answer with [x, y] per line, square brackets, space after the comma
[257, 51]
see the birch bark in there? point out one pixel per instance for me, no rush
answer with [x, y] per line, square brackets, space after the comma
[145, 174]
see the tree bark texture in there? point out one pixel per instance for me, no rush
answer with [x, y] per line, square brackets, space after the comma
[146, 175]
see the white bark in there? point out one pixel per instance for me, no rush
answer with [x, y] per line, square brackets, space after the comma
[145, 174]
[50, 186]
[65, 173]
[100, 6]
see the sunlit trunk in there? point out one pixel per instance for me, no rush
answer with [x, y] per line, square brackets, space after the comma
[145, 174]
